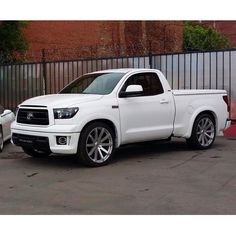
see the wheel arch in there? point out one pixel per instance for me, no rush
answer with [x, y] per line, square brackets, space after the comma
[208, 111]
[110, 123]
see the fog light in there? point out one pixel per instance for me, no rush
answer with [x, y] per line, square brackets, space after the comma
[61, 140]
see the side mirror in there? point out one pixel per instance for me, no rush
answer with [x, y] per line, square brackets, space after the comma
[6, 111]
[132, 91]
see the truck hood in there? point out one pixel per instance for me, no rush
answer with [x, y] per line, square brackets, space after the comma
[61, 100]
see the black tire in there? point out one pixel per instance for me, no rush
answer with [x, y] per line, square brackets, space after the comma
[1, 139]
[202, 138]
[91, 151]
[35, 153]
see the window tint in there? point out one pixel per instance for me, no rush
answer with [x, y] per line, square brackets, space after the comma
[149, 81]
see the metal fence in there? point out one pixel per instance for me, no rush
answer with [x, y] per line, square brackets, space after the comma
[193, 70]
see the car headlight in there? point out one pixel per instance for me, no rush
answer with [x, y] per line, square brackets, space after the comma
[65, 113]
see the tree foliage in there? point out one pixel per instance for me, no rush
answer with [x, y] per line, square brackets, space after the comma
[12, 41]
[199, 37]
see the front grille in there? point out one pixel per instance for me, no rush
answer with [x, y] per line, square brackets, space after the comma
[33, 116]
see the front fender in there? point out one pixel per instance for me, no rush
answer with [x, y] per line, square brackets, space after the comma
[99, 116]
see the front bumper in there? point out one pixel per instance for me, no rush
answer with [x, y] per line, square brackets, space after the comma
[45, 140]
[36, 142]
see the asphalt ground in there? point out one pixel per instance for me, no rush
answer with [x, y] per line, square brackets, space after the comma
[148, 178]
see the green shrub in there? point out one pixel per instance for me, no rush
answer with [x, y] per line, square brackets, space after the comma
[199, 38]
[12, 41]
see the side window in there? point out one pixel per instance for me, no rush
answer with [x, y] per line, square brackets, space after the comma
[149, 81]
[1, 109]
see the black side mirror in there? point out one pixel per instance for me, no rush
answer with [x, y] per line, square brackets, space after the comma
[124, 94]
[132, 91]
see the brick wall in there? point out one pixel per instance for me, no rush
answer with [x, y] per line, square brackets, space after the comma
[103, 38]
[228, 28]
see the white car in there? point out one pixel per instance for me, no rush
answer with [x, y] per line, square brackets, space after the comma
[100, 111]
[6, 118]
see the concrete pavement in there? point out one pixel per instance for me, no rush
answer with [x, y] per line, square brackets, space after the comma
[151, 178]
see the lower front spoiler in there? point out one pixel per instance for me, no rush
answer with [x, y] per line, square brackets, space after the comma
[29, 141]
[46, 141]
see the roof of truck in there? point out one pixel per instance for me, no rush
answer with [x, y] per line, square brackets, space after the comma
[122, 70]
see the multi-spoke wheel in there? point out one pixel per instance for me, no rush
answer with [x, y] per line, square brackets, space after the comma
[1, 139]
[203, 133]
[96, 144]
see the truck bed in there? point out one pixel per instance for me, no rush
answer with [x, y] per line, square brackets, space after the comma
[197, 92]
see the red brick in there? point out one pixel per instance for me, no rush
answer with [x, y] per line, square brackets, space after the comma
[104, 38]
[227, 28]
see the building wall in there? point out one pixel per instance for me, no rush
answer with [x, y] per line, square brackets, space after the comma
[228, 28]
[103, 38]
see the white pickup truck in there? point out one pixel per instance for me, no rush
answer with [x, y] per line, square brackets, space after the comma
[100, 111]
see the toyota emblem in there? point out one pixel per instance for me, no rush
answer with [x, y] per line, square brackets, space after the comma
[30, 116]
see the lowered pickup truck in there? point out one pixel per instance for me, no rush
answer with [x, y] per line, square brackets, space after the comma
[100, 111]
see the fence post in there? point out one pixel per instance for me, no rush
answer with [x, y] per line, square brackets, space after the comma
[44, 72]
[150, 56]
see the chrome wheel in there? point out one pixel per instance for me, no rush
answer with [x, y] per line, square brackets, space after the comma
[99, 144]
[205, 132]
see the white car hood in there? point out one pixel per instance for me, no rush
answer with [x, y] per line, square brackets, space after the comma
[61, 100]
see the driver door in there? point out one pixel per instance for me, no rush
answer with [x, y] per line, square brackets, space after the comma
[148, 116]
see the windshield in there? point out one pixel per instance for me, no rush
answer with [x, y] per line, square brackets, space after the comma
[102, 83]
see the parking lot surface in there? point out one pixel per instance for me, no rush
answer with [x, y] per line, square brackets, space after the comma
[149, 178]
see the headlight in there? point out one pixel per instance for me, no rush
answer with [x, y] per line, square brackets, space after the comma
[65, 113]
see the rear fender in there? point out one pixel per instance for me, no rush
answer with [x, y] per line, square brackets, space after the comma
[194, 116]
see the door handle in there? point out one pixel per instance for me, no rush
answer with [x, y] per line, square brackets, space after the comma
[164, 101]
